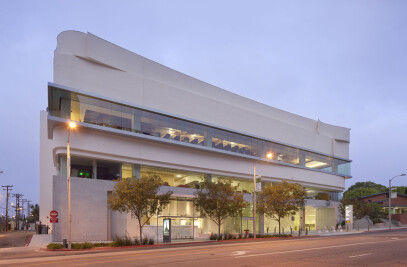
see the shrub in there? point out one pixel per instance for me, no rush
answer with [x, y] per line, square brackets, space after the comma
[85, 245]
[250, 235]
[151, 241]
[214, 237]
[240, 236]
[145, 241]
[121, 242]
[54, 246]
[220, 237]
[101, 244]
[136, 242]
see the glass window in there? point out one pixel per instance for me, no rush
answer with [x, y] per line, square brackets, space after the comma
[105, 113]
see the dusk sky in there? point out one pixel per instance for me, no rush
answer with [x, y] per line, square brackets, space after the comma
[343, 62]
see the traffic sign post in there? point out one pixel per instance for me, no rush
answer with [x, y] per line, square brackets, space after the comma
[53, 216]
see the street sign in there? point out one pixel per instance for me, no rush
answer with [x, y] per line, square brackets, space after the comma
[53, 214]
[53, 220]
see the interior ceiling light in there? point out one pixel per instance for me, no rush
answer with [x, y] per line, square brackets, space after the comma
[315, 164]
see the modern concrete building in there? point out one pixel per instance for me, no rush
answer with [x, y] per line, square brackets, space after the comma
[138, 117]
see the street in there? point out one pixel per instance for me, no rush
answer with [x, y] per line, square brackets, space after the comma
[14, 238]
[387, 248]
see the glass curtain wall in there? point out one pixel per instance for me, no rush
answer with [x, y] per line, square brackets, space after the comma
[87, 109]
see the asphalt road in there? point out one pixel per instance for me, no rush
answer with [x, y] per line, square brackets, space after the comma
[372, 249]
[14, 238]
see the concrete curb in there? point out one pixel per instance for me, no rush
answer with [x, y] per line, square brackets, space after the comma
[382, 230]
[29, 240]
[184, 243]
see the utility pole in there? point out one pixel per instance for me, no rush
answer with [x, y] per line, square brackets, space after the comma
[7, 188]
[28, 208]
[23, 211]
[18, 196]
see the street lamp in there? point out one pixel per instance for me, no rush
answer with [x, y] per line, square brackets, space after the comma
[72, 125]
[390, 197]
[269, 156]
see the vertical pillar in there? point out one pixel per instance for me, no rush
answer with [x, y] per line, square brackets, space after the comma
[136, 121]
[136, 171]
[334, 166]
[94, 169]
[208, 137]
[302, 158]
[208, 177]
[261, 224]
[62, 165]
[65, 108]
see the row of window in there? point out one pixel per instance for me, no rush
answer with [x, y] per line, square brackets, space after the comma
[91, 110]
[114, 171]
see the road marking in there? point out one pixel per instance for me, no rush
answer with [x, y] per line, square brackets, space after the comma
[360, 255]
[319, 248]
[133, 253]
[238, 253]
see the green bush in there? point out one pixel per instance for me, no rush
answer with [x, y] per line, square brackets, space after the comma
[220, 237]
[145, 241]
[121, 242]
[101, 244]
[151, 241]
[240, 236]
[85, 245]
[54, 246]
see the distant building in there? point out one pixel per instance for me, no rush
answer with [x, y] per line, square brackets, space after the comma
[137, 117]
[398, 205]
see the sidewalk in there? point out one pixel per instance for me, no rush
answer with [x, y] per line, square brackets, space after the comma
[41, 241]
[354, 231]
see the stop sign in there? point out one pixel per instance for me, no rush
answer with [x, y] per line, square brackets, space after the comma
[53, 214]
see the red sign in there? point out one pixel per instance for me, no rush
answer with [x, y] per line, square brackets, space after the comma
[53, 220]
[53, 214]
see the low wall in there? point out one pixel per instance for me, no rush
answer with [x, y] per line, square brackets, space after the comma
[402, 218]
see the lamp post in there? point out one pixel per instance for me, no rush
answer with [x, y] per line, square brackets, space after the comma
[269, 155]
[390, 197]
[72, 125]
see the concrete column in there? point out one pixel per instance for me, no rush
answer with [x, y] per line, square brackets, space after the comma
[136, 121]
[302, 158]
[62, 165]
[261, 224]
[65, 108]
[136, 171]
[94, 169]
[208, 137]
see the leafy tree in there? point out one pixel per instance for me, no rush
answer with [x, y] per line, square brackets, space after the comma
[34, 214]
[361, 189]
[217, 201]
[368, 184]
[140, 197]
[360, 192]
[402, 190]
[362, 209]
[281, 200]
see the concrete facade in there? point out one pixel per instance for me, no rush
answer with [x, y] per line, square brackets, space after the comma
[86, 64]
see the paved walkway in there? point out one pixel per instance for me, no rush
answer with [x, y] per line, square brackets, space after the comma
[41, 241]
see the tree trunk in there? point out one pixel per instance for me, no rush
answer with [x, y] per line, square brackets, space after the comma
[218, 229]
[141, 232]
[279, 226]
